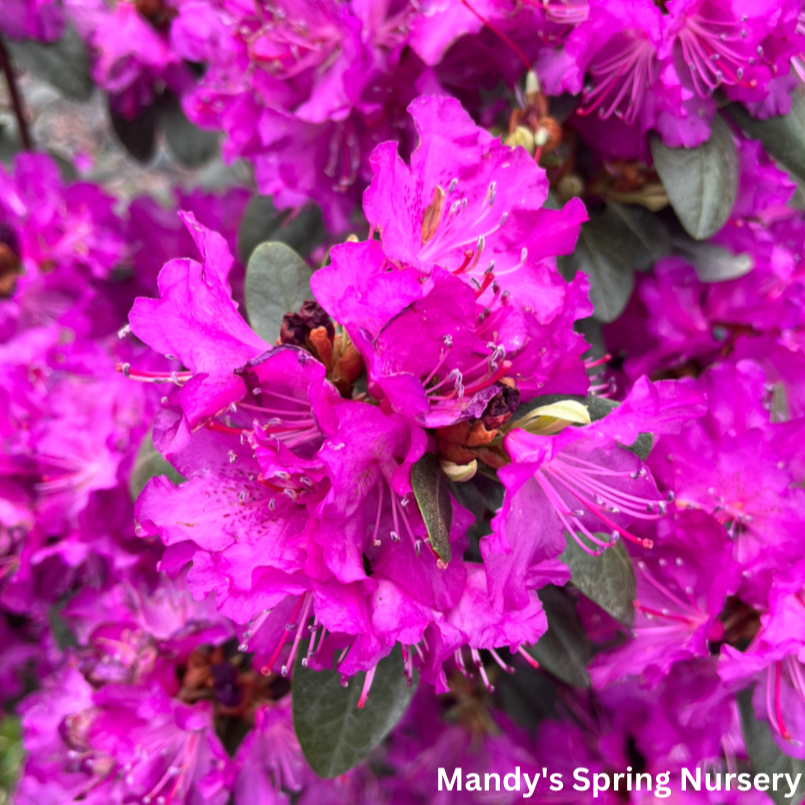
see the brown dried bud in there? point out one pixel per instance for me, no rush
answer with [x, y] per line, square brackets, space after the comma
[500, 408]
[10, 269]
[156, 12]
[296, 327]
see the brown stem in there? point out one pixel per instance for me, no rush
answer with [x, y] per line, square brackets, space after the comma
[16, 99]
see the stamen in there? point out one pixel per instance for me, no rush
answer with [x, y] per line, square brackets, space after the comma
[476, 658]
[507, 668]
[367, 684]
[527, 657]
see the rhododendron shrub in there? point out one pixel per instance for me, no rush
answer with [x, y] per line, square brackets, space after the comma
[464, 437]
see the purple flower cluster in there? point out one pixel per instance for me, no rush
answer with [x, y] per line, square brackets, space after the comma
[124, 657]
[307, 90]
[299, 502]
[536, 421]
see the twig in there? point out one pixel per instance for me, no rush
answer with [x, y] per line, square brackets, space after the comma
[16, 99]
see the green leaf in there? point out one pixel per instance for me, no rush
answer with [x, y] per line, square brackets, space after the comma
[147, 465]
[764, 754]
[11, 753]
[641, 446]
[782, 136]
[334, 734]
[645, 237]
[780, 410]
[608, 579]
[190, 145]
[257, 225]
[527, 697]
[599, 407]
[139, 135]
[63, 64]
[66, 168]
[701, 182]
[714, 263]
[261, 222]
[62, 633]
[277, 282]
[564, 649]
[432, 497]
[10, 144]
[602, 253]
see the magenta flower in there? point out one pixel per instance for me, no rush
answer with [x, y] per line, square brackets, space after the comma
[581, 482]
[130, 54]
[709, 464]
[269, 759]
[195, 300]
[108, 744]
[160, 235]
[33, 19]
[441, 217]
[774, 660]
[480, 224]
[680, 594]
[716, 44]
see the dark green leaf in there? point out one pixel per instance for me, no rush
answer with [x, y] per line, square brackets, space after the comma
[599, 407]
[334, 734]
[148, 464]
[190, 145]
[701, 182]
[11, 753]
[783, 136]
[764, 754]
[780, 410]
[593, 333]
[491, 491]
[713, 263]
[62, 633]
[527, 696]
[257, 226]
[432, 497]
[138, 135]
[608, 579]
[277, 282]
[602, 253]
[10, 144]
[261, 222]
[63, 64]
[66, 168]
[468, 496]
[644, 235]
[564, 649]
[641, 446]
